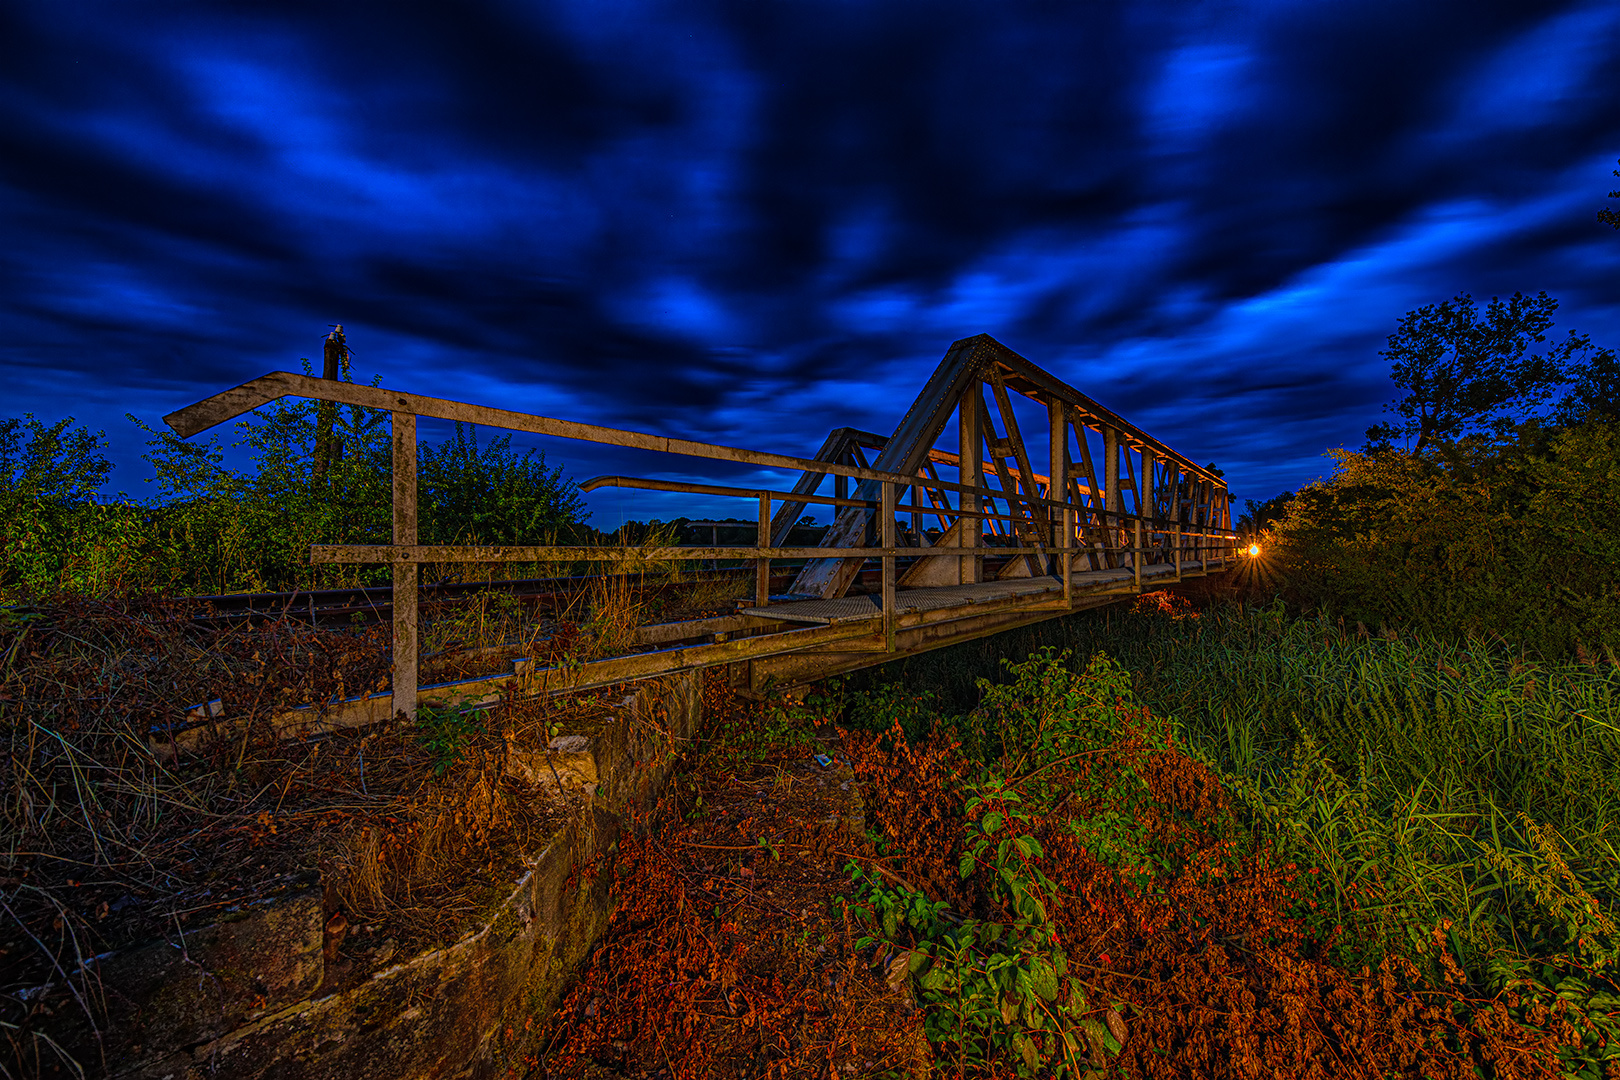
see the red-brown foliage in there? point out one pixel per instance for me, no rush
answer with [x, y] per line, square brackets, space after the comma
[1222, 978]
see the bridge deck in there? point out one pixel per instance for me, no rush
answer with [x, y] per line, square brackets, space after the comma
[853, 608]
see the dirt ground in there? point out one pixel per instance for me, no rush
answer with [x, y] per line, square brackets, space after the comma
[728, 954]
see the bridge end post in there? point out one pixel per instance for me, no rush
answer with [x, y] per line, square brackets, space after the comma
[405, 570]
[886, 541]
[762, 566]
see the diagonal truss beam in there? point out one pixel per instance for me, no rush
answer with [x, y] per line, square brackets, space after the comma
[1097, 499]
[904, 452]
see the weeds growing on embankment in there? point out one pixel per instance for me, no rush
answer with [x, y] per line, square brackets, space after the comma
[1439, 818]
[108, 839]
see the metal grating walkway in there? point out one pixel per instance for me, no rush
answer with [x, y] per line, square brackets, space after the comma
[853, 608]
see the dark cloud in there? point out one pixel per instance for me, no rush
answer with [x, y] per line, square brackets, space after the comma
[754, 222]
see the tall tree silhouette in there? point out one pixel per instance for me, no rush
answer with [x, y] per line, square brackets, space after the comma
[1461, 368]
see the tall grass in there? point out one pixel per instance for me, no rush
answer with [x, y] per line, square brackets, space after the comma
[1436, 784]
[1472, 786]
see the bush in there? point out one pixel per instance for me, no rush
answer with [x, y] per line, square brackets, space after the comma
[1518, 540]
[213, 530]
[490, 495]
[52, 532]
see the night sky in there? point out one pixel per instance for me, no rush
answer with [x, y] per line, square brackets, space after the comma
[749, 223]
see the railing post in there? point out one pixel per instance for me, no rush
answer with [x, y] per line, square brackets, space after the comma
[1225, 523]
[1068, 557]
[916, 514]
[1112, 502]
[405, 570]
[1136, 554]
[886, 532]
[762, 566]
[1206, 489]
[1057, 487]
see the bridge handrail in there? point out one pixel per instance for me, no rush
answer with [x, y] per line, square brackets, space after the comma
[682, 487]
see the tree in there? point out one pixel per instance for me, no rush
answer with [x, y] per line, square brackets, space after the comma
[489, 495]
[1611, 216]
[47, 484]
[1595, 394]
[1257, 516]
[1461, 370]
[58, 466]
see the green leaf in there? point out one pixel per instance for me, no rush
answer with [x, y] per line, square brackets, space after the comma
[1077, 999]
[991, 822]
[1043, 979]
[1026, 1049]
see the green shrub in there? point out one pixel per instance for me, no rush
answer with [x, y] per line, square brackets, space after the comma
[210, 529]
[1519, 539]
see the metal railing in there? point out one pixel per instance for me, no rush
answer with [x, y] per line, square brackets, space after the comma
[405, 555]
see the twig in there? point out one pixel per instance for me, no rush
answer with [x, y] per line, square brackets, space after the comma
[67, 981]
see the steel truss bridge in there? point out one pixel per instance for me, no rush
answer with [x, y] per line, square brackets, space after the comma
[992, 543]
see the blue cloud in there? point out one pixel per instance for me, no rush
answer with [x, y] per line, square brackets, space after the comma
[753, 223]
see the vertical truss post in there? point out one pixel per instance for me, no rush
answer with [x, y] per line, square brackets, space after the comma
[1178, 514]
[886, 538]
[1057, 487]
[917, 502]
[1091, 521]
[405, 571]
[1068, 558]
[1112, 503]
[1148, 499]
[1225, 522]
[970, 469]
[1028, 524]
[916, 514]
[762, 566]
[1202, 510]
[1136, 554]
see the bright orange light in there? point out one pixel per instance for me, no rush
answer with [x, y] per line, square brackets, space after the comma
[1254, 549]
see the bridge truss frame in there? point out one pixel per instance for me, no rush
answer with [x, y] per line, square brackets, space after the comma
[1135, 501]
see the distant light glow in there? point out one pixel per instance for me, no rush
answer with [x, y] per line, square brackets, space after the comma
[1254, 549]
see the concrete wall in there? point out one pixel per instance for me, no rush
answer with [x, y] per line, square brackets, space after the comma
[242, 998]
